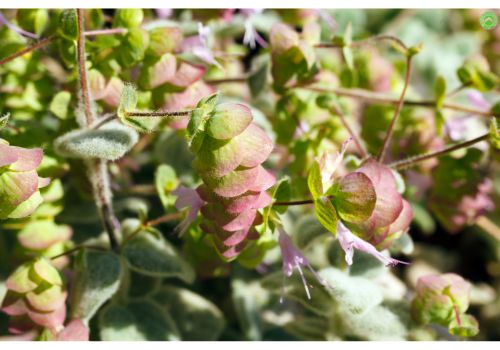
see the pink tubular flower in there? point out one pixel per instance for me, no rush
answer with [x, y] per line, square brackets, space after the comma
[293, 258]
[187, 198]
[198, 45]
[252, 37]
[349, 241]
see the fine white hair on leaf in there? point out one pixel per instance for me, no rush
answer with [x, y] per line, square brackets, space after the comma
[110, 142]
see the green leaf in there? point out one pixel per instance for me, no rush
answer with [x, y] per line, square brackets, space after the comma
[321, 300]
[33, 20]
[308, 328]
[196, 317]
[133, 47]
[258, 79]
[355, 198]
[382, 322]
[166, 181]
[112, 141]
[495, 109]
[68, 24]
[326, 214]
[247, 297]
[97, 278]
[156, 257]
[346, 49]
[60, 103]
[163, 40]
[128, 18]
[468, 326]
[140, 320]
[314, 181]
[440, 91]
[355, 294]
[128, 102]
[494, 134]
[228, 120]
[4, 120]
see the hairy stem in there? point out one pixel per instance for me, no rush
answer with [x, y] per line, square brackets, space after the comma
[300, 202]
[335, 109]
[97, 169]
[368, 41]
[417, 159]
[397, 111]
[75, 249]
[159, 114]
[37, 45]
[227, 80]
[369, 96]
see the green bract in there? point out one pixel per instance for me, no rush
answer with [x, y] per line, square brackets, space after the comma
[19, 181]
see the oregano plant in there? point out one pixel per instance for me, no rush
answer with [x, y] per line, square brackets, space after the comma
[246, 174]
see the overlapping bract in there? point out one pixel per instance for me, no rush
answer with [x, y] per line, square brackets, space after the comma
[35, 297]
[19, 181]
[229, 152]
[392, 214]
[444, 299]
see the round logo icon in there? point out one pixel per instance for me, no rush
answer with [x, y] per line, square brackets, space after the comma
[488, 20]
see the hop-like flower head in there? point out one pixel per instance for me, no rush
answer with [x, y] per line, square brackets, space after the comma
[19, 181]
[35, 296]
[229, 151]
[440, 298]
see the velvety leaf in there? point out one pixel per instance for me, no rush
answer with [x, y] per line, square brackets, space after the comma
[196, 317]
[97, 278]
[258, 79]
[140, 320]
[321, 300]
[156, 257]
[356, 294]
[112, 141]
[75, 330]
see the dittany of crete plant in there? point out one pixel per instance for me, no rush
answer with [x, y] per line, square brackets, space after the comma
[280, 167]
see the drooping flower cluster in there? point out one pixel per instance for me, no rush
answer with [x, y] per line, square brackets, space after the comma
[441, 299]
[19, 181]
[229, 151]
[392, 213]
[35, 297]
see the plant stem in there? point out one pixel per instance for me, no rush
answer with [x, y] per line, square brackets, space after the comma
[104, 120]
[414, 160]
[33, 47]
[75, 249]
[401, 101]
[164, 218]
[300, 202]
[336, 110]
[227, 80]
[97, 169]
[368, 41]
[370, 96]
[105, 32]
[489, 227]
[159, 114]
[44, 42]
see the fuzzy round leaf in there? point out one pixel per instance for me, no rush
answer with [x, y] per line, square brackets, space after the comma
[156, 257]
[110, 142]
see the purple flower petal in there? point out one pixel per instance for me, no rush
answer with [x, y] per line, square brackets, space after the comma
[349, 241]
[187, 198]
